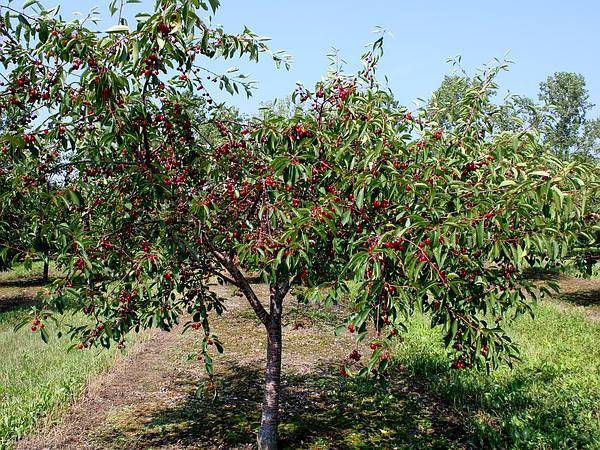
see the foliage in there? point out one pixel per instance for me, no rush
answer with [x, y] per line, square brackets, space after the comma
[352, 187]
[566, 98]
[162, 190]
[589, 143]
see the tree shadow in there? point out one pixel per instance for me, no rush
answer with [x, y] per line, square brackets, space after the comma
[537, 273]
[321, 410]
[587, 297]
[507, 412]
[25, 282]
[17, 303]
[423, 405]
[18, 295]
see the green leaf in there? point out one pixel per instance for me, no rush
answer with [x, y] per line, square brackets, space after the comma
[44, 335]
[540, 173]
[214, 4]
[118, 29]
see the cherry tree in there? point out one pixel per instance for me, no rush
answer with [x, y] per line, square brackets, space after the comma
[162, 191]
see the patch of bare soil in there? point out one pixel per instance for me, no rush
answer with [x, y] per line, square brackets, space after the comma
[158, 396]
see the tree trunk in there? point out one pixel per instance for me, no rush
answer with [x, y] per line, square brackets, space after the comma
[267, 435]
[46, 270]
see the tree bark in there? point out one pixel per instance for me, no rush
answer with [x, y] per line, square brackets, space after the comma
[46, 270]
[267, 435]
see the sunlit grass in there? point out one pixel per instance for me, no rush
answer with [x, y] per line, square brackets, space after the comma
[38, 380]
[551, 399]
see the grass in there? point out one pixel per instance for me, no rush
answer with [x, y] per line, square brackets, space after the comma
[20, 272]
[37, 380]
[551, 399]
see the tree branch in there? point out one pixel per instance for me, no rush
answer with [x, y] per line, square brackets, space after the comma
[243, 285]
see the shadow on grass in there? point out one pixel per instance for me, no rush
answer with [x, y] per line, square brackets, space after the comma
[542, 274]
[17, 303]
[588, 297]
[433, 407]
[19, 295]
[529, 408]
[25, 282]
[318, 411]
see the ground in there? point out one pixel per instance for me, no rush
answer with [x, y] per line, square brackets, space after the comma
[156, 396]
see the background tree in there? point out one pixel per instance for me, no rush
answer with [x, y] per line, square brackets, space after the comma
[565, 97]
[589, 144]
[516, 113]
[445, 101]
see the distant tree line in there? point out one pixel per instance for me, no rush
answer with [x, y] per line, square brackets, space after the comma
[560, 114]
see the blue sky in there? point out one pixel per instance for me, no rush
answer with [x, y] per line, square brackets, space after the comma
[541, 37]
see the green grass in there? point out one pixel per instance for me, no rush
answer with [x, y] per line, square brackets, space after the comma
[19, 271]
[550, 400]
[38, 380]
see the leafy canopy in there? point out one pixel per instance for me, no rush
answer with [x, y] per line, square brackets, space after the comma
[161, 190]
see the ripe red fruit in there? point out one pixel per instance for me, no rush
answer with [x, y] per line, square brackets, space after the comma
[168, 276]
[374, 346]
[460, 364]
[376, 204]
[351, 328]
[437, 134]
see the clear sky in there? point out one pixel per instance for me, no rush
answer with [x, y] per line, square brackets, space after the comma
[540, 36]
